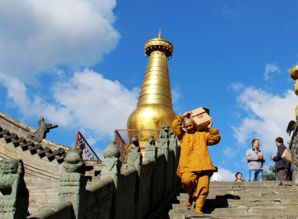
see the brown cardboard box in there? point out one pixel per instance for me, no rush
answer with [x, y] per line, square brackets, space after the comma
[201, 118]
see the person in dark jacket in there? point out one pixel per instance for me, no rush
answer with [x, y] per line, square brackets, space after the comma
[281, 166]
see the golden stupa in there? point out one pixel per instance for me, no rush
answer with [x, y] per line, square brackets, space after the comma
[154, 108]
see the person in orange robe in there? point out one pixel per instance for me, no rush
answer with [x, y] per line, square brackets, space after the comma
[195, 166]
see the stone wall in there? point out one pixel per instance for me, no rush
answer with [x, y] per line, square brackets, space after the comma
[100, 198]
[131, 190]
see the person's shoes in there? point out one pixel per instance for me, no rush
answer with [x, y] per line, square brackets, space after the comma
[198, 211]
[200, 202]
[286, 183]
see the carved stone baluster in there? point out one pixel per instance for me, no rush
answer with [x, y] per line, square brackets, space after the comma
[134, 158]
[73, 182]
[163, 141]
[14, 194]
[150, 153]
[111, 163]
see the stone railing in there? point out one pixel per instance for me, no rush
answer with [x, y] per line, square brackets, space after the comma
[133, 190]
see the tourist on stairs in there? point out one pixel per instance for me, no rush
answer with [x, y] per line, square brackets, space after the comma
[255, 159]
[238, 177]
[281, 166]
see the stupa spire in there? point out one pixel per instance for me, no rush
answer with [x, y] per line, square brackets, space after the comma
[154, 107]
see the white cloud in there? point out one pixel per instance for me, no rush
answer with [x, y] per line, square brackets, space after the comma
[94, 102]
[234, 12]
[32, 106]
[36, 35]
[229, 152]
[223, 175]
[269, 70]
[176, 94]
[16, 90]
[236, 86]
[267, 116]
[86, 101]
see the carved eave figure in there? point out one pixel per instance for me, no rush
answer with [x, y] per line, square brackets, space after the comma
[43, 129]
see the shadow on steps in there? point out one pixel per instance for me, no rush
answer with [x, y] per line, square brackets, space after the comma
[220, 201]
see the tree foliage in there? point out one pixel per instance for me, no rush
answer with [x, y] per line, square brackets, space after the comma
[269, 175]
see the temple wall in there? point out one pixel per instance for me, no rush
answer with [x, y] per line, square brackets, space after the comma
[56, 211]
[34, 165]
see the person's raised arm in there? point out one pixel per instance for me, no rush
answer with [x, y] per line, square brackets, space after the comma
[177, 126]
[213, 136]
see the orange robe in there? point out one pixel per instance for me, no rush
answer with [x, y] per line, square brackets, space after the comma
[194, 156]
[195, 166]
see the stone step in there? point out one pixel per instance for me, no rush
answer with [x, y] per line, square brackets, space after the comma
[229, 183]
[243, 208]
[282, 189]
[212, 204]
[254, 187]
[240, 195]
[278, 211]
[245, 196]
[237, 217]
[279, 188]
[243, 200]
[254, 212]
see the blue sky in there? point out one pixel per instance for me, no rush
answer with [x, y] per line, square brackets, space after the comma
[81, 64]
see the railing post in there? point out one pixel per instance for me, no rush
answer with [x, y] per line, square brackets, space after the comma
[111, 164]
[134, 158]
[15, 196]
[150, 153]
[174, 146]
[73, 182]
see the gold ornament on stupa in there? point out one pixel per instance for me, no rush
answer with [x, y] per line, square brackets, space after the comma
[294, 76]
[154, 108]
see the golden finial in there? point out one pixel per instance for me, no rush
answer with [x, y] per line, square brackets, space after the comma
[159, 36]
[159, 44]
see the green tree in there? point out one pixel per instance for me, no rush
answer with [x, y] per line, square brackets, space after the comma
[269, 175]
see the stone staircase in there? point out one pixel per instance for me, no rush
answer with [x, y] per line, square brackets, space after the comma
[243, 200]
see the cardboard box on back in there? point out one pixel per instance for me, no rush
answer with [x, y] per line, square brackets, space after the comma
[201, 118]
